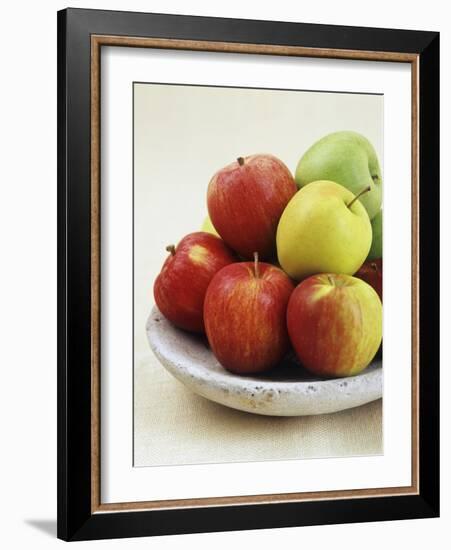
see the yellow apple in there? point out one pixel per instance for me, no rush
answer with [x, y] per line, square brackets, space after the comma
[323, 229]
[208, 227]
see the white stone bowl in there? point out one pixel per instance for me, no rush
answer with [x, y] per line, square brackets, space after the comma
[287, 391]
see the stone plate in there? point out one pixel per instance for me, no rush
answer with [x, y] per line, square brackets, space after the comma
[288, 390]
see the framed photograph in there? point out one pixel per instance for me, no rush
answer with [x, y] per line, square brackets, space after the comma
[232, 193]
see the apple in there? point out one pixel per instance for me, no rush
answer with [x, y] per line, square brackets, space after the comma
[323, 229]
[245, 316]
[179, 290]
[208, 227]
[335, 324]
[245, 201]
[376, 245]
[347, 158]
[371, 273]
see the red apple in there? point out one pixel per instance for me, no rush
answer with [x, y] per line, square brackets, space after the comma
[371, 273]
[180, 288]
[335, 324]
[245, 316]
[245, 201]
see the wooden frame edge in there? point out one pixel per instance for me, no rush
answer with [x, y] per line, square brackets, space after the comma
[415, 252]
[235, 47]
[227, 47]
[95, 276]
[246, 500]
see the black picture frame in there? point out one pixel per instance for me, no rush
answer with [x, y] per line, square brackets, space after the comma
[76, 520]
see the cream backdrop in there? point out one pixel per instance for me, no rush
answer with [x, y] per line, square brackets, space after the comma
[182, 135]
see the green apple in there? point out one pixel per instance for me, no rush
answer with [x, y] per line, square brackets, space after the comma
[208, 227]
[376, 245]
[323, 229]
[347, 158]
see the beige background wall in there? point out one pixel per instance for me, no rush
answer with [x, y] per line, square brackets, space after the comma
[182, 136]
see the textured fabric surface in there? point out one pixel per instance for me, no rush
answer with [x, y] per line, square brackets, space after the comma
[175, 426]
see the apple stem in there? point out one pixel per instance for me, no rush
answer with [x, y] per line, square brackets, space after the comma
[331, 281]
[171, 248]
[257, 274]
[364, 190]
[240, 161]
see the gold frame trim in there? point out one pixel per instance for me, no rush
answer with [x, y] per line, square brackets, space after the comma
[97, 41]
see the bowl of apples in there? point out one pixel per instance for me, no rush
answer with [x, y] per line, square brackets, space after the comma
[275, 308]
